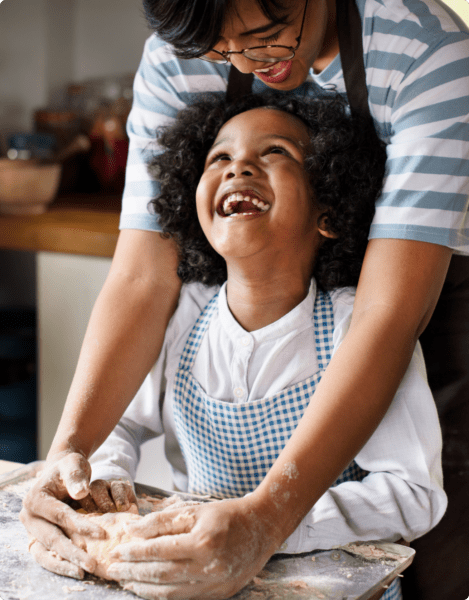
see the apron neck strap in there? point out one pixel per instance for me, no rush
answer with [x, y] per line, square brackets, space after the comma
[349, 31]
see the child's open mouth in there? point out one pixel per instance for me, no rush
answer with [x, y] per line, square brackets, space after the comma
[277, 73]
[246, 202]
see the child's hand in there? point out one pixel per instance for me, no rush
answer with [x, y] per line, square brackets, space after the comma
[114, 495]
[210, 550]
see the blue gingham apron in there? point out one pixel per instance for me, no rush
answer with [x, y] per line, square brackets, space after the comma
[229, 448]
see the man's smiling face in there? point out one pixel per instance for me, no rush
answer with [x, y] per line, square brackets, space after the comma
[254, 196]
[247, 26]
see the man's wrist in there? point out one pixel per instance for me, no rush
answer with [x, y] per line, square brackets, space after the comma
[61, 448]
[275, 514]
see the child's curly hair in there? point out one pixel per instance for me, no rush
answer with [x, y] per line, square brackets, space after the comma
[345, 164]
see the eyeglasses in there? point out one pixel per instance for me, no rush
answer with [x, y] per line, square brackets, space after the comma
[268, 54]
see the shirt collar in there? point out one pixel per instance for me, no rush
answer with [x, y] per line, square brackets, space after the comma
[297, 319]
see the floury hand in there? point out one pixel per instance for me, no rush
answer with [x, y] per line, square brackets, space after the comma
[198, 552]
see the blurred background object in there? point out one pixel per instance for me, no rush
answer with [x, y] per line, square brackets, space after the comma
[27, 187]
[97, 108]
[82, 131]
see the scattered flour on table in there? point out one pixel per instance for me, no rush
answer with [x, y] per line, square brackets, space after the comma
[21, 487]
[74, 588]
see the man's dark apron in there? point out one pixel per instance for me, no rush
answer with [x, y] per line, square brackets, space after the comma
[441, 566]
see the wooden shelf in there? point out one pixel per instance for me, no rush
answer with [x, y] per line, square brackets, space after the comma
[77, 224]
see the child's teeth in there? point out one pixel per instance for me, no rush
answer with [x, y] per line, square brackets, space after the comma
[238, 197]
[227, 209]
[263, 70]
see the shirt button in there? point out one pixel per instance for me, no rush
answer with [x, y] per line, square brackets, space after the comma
[239, 392]
[246, 340]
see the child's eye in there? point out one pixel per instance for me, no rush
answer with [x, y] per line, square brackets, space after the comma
[219, 156]
[278, 150]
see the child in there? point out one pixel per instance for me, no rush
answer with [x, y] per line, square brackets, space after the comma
[284, 195]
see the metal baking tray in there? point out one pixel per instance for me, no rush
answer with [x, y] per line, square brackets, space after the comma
[338, 574]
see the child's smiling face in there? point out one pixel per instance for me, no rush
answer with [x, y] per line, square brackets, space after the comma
[254, 195]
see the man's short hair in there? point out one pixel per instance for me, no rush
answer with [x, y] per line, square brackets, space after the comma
[193, 27]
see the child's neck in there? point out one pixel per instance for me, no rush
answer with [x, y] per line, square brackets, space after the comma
[256, 302]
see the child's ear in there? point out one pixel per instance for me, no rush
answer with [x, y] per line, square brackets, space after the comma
[324, 226]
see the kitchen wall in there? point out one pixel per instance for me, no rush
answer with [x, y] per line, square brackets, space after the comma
[109, 36]
[46, 43]
[23, 82]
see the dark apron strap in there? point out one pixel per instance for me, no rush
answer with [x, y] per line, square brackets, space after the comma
[349, 32]
[239, 84]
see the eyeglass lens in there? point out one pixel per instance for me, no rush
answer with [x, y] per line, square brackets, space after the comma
[268, 54]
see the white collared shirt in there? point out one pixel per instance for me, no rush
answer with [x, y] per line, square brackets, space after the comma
[401, 497]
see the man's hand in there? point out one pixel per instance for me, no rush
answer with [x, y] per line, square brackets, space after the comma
[48, 518]
[210, 550]
[50, 521]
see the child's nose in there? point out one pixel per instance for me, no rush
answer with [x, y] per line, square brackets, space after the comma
[239, 169]
[245, 173]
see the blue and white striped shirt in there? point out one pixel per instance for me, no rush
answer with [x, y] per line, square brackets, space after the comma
[416, 57]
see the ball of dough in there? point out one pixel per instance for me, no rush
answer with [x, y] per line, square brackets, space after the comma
[113, 524]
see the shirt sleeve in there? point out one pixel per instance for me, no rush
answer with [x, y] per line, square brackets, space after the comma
[402, 496]
[163, 86]
[418, 81]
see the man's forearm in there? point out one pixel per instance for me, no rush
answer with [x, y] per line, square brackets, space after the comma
[359, 382]
[122, 342]
[349, 403]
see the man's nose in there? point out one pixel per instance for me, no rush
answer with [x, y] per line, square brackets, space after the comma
[243, 64]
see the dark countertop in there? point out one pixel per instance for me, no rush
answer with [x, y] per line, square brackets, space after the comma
[76, 224]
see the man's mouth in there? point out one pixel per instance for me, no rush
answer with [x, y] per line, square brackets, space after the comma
[244, 203]
[277, 73]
